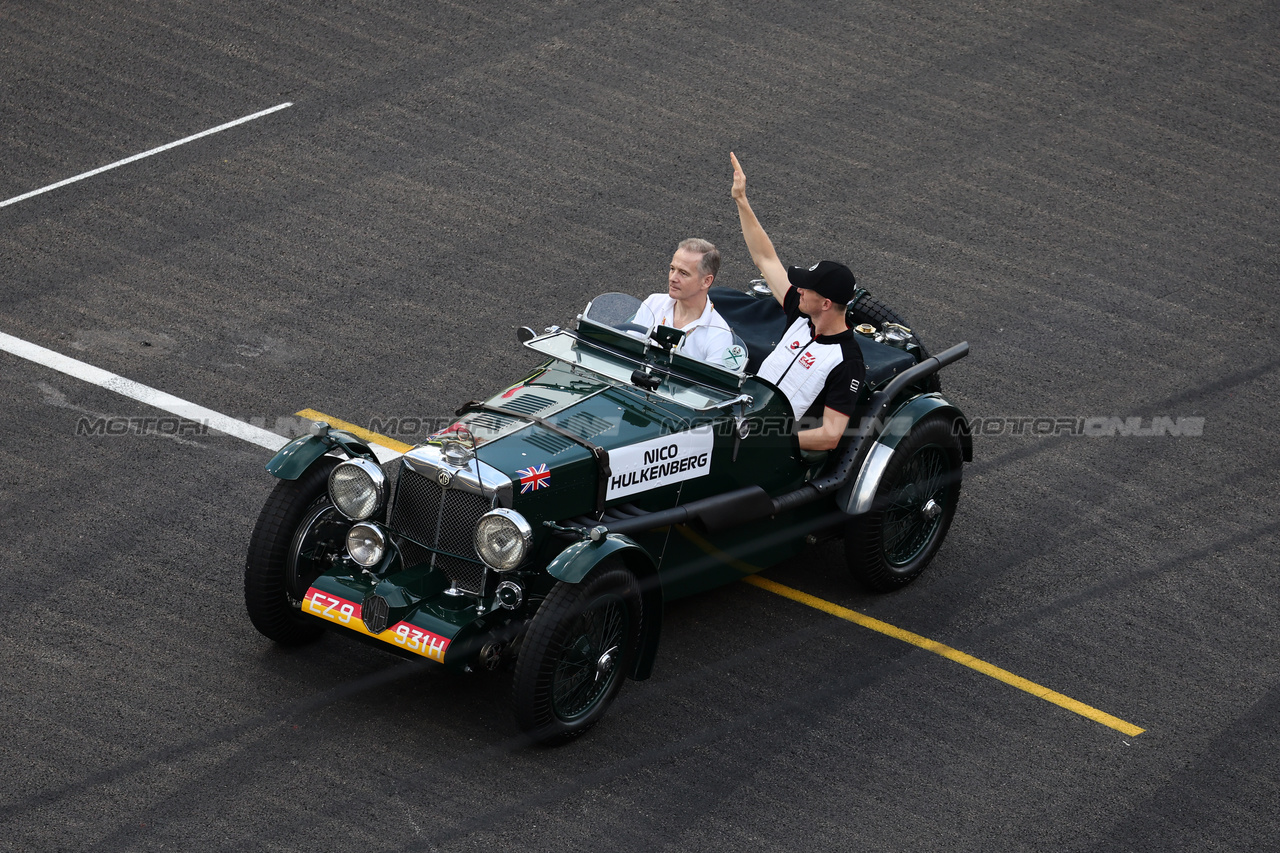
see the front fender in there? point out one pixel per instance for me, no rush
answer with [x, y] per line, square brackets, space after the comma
[575, 562]
[856, 497]
[296, 456]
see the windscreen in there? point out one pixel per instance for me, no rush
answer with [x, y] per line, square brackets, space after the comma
[627, 314]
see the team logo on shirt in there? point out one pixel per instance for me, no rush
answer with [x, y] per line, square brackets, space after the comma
[807, 360]
[795, 345]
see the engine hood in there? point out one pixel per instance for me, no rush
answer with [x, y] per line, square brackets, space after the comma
[553, 470]
[589, 408]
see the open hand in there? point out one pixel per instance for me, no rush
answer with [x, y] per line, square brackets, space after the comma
[739, 190]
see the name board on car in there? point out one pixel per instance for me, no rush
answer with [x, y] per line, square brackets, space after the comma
[659, 461]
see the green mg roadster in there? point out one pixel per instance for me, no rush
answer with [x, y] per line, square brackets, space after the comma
[545, 529]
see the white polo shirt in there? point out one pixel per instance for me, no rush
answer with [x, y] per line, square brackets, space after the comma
[706, 338]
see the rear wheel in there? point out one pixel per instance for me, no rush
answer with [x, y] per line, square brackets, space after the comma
[889, 546]
[576, 654]
[297, 537]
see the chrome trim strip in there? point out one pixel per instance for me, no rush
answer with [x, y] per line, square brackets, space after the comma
[864, 488]
[856, 498]
[476, 477]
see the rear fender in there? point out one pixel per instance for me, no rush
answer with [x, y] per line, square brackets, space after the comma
[855, 498]
[298, 455]
[576, 562]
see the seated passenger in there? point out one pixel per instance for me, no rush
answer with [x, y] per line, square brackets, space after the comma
[817, 364]
[685, 305]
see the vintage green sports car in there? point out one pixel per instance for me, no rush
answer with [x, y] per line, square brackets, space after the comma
[546, 528]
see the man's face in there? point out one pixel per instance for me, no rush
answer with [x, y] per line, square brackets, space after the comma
[683, 280]
[810, 303]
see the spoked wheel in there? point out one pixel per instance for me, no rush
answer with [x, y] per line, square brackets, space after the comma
[297, 537]
[892, 544]
[577, 652]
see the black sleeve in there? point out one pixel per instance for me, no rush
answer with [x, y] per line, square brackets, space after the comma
[791, 304]
[844, 384]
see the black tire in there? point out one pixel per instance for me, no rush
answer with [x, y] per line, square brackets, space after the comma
[579, 647]
[889, 546]
[867, 309]
[297, 535]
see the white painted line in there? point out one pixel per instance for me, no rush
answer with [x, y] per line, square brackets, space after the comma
[128, 160]
[382, 453]
[142, 393]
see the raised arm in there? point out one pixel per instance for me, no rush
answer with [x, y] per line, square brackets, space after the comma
[758, 243]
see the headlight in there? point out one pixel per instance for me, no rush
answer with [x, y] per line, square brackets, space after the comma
[503, 538]
[357, 488]
[366, 543]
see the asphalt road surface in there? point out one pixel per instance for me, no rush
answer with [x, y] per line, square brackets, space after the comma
[1087, 192]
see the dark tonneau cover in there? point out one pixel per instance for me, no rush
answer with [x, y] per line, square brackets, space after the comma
[760, 322]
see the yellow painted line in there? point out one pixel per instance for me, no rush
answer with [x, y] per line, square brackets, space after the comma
[948, 653]
[358, 432]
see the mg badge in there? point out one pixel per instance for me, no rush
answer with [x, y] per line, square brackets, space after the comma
[444, 478]
[374, 613]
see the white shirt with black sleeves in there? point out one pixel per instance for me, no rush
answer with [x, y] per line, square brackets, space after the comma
[814, 371]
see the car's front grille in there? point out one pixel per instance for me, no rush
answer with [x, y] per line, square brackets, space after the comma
[443, 520]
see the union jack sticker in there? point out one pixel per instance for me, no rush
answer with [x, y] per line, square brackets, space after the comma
[534, 477]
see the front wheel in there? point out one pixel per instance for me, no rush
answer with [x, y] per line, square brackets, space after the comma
[889, 546]
[298, 534]
[579, 647]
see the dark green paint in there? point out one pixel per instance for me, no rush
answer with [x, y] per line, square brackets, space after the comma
[906, 416]
[669, 563]
[294, 458]
[575, 562]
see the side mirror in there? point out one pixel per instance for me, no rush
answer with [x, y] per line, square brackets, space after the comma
[524, 334]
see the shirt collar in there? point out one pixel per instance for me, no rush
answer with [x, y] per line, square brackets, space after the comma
[703, 319]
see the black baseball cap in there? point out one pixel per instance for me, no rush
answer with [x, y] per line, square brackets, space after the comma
[828, 279]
